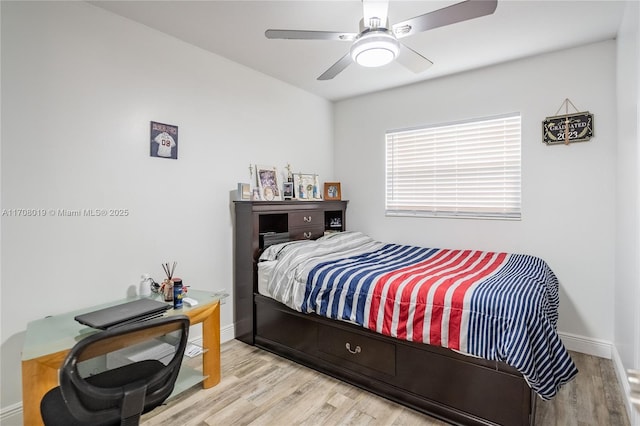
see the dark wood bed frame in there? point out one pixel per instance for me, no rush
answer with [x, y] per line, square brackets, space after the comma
[437, 381]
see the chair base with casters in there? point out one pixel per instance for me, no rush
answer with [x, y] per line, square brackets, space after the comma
[120, 395]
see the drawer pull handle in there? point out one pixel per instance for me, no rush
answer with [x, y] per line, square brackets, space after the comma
[307, 218]
[357, 350]
[307, 235]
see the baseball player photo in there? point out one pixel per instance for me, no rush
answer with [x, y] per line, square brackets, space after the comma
[164, 140]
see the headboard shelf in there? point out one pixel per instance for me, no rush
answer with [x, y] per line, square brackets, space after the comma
[254, 219]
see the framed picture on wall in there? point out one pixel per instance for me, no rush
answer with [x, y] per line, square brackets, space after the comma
[267, 177]
[332, 191]
[164, 140]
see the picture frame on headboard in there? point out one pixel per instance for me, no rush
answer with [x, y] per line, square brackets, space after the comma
[332, 191]
[306, 186]
[244, 191]
[287, 190]
[267, 177]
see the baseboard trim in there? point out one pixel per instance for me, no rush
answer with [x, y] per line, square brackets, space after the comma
[587, 345]
[608, 350]
[621, 372]
[227, 333]
[11, 415]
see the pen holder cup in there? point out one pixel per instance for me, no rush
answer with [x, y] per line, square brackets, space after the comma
[167, 290]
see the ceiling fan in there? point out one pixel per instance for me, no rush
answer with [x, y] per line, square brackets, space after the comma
[378, 44]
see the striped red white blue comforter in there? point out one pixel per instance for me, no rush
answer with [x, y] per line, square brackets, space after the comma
[497, 306]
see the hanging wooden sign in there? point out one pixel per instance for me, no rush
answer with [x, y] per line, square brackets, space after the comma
[563, 129]
[567, 128]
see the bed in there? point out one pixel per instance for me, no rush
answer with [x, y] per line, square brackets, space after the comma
[464, 335]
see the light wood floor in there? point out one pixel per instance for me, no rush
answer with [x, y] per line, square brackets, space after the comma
[259, 388]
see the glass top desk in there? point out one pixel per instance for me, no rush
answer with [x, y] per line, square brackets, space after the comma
[48, 340]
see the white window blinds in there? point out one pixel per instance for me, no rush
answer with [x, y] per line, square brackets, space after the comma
[467, 169]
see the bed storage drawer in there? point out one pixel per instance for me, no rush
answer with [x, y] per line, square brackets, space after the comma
[356, 351]
[306, 224]
[308, 233]
[436, 375]
[280, 326]
[306, 218]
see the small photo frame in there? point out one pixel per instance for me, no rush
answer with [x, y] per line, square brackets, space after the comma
[244, 191]
[306, 187]
[164, 140]
[267, 177]
[332, 191]
[287, 190]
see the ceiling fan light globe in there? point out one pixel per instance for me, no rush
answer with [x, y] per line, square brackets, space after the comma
[375, 57]
[375, 49]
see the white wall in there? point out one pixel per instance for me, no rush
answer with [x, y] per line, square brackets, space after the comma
[79, 88]
[627, 270]
[568, 192]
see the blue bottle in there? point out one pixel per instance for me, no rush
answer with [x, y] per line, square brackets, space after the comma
[177, 294]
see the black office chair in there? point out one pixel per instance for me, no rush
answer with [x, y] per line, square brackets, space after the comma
[113, 377]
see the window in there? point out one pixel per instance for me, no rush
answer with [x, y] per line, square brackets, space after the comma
[465, 169]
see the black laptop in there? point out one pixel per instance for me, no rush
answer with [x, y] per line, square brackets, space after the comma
[125, 313]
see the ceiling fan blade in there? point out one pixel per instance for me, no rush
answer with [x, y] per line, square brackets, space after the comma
[458, 12]
[309, 35]
[375, 9]
[337, 68]
[412, 60]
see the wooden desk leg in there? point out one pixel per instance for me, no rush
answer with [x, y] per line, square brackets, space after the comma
[37, 378]
[211, 344]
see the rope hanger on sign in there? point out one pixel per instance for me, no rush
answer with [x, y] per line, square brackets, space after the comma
[566, 103]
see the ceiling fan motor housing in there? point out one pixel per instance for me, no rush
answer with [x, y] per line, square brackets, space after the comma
[375, 47]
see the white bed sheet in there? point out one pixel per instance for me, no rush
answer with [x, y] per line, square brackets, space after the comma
[264, 272]
[283, 268]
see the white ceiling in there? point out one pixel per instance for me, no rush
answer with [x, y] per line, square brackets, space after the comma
[235, 30]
